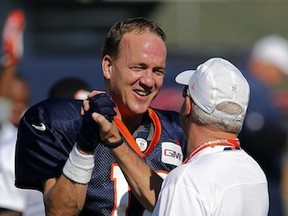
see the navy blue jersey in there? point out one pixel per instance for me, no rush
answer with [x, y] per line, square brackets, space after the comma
[47, 133]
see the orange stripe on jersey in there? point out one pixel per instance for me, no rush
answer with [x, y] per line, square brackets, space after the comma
[130, 139]
[157, 131]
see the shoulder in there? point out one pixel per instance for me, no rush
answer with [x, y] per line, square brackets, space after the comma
[170, 126]
[56, 107]
[166, 114]
[179, 174]
[167, 118]
[46, 135]
[54, 113]
[51, 118]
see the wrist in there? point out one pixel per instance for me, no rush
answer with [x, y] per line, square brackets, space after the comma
[85, 146]
[83, 152]
[115, 144]
[79, 167]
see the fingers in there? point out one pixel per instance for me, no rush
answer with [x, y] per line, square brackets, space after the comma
[93, 93]
[90, 133]
[108, 131]
[103, 123]
[102, 103]
[85, 107]
[86, 104]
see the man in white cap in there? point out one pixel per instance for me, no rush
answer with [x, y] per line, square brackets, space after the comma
[217, 177]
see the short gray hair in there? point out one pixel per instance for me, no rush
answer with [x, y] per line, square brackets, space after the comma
[232, 126]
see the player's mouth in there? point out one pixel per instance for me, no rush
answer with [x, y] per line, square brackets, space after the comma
[142, 93]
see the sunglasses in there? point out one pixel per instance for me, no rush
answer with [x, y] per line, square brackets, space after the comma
[185, 92]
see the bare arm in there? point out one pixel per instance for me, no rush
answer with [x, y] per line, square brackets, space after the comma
[66, 195]
[143, 181]
[63, 197]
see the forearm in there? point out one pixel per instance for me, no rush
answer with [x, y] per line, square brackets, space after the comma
[64, 197]
[143, 181]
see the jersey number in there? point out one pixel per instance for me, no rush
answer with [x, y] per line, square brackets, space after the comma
[122, 192]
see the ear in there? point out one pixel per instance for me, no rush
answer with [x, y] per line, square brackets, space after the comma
[187, 106]
[107, 66]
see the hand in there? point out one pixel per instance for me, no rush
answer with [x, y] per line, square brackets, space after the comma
[109, 133]
[89, 135]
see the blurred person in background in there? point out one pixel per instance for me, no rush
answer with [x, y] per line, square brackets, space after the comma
[264, 134]
[14, 100]
[70, 87]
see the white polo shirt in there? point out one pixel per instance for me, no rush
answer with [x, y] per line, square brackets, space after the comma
[215, 182]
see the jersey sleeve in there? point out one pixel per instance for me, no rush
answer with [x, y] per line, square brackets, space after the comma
[46, 135]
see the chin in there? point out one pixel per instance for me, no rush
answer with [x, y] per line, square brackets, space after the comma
[139, 109]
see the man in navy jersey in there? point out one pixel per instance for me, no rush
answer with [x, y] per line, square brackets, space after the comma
[61, 154]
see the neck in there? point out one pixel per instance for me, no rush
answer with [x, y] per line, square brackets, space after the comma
[204, 134]
[132, 122]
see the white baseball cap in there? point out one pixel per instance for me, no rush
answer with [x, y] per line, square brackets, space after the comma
[216, 81]
[272, 49]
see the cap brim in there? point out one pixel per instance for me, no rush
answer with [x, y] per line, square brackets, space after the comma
[184, 77]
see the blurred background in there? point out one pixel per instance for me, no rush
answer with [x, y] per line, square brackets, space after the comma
[64, 37]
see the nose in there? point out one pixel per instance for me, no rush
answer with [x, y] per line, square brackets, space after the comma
[147, 79]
